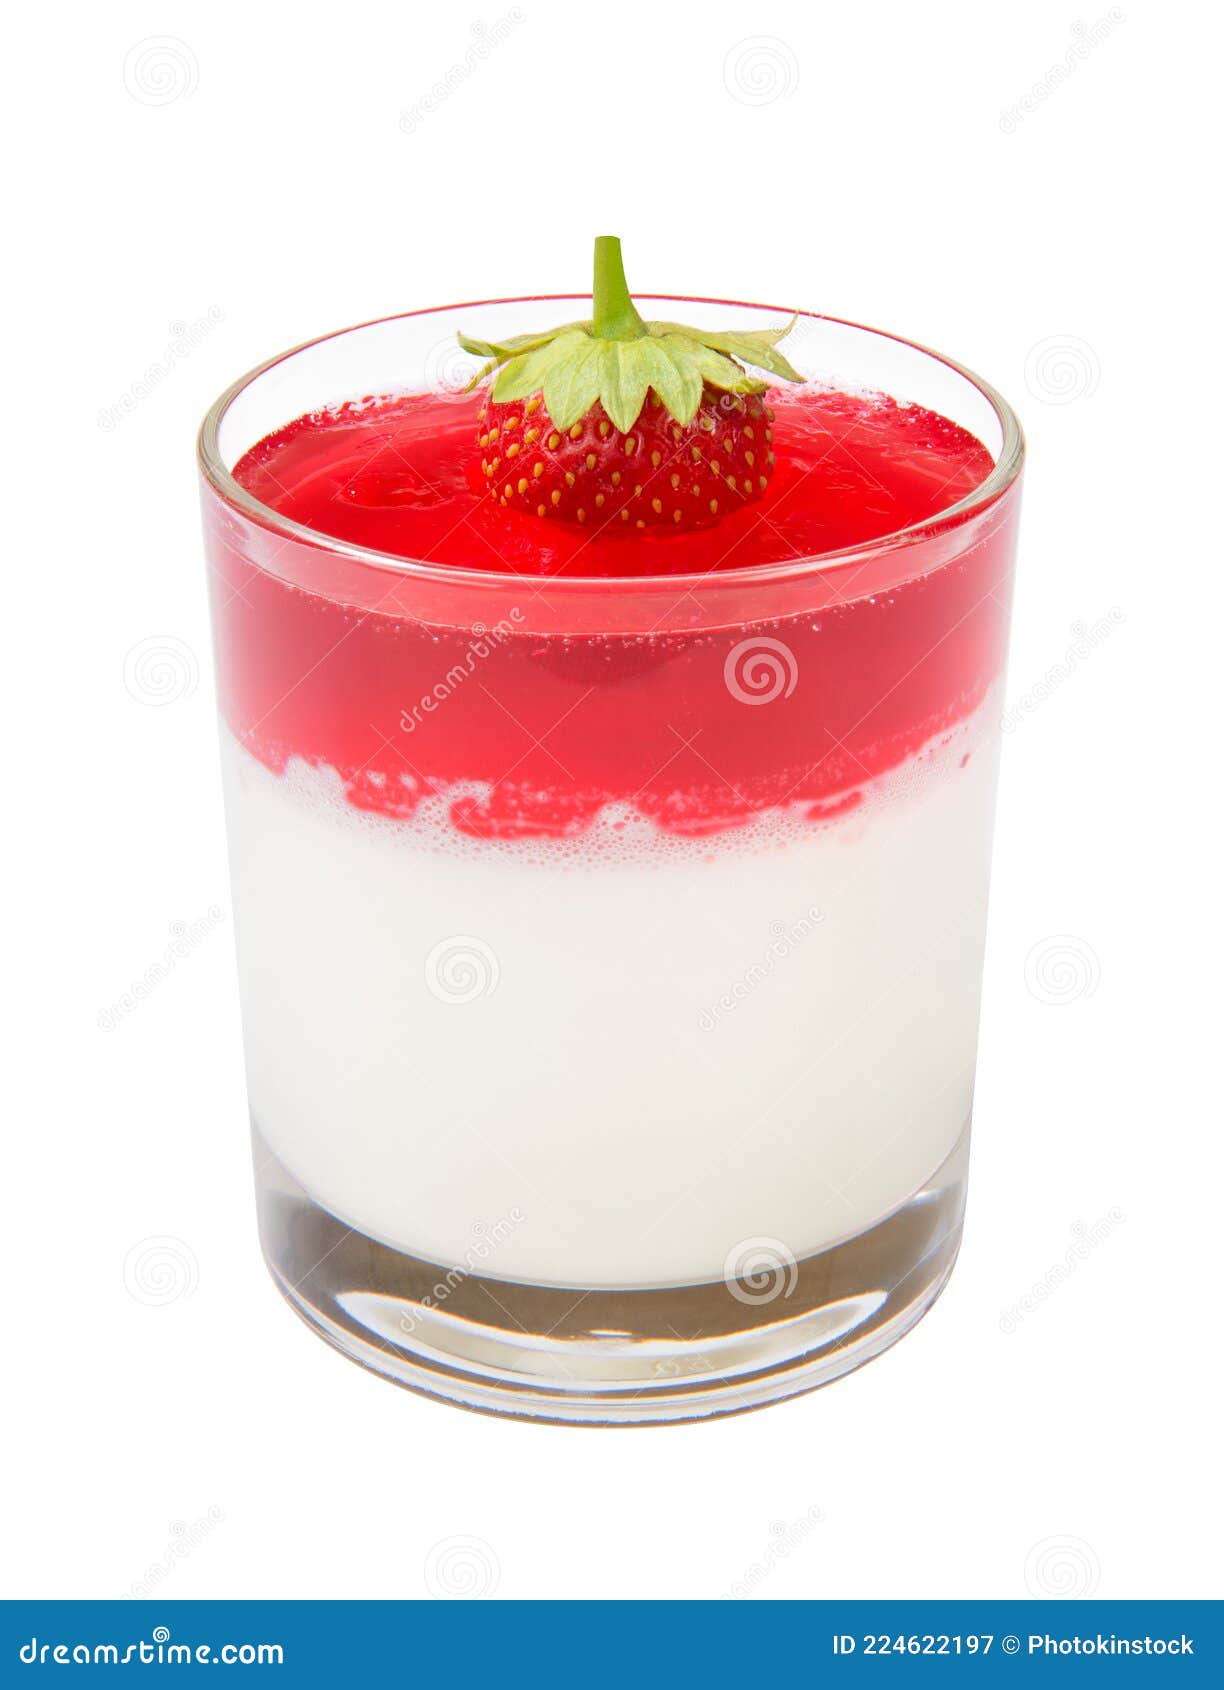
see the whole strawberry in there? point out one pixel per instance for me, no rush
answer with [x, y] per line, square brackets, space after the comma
[619, 421]
[658, 473]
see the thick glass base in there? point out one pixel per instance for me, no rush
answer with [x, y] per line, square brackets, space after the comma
[609, 1357]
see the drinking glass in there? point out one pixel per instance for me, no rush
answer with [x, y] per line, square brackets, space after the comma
[643, 1109]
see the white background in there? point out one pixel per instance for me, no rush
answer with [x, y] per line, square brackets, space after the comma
[262, 172]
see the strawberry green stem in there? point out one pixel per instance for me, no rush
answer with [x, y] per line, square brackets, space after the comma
[616, 360]
[613, 315]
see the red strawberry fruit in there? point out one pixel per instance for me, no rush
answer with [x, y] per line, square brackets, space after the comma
[644, 425]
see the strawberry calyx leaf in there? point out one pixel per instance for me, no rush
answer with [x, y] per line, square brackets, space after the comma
[617, 359]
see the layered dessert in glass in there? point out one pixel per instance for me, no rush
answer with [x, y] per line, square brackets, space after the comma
[610, 799]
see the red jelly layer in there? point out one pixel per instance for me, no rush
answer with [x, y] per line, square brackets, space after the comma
[402, 476]
[698, 728]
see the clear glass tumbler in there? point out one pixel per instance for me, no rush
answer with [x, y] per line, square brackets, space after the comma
[618, 1120]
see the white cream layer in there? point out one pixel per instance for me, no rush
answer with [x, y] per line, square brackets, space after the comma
[621, 1059]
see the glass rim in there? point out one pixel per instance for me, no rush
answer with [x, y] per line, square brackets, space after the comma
[991, 487]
